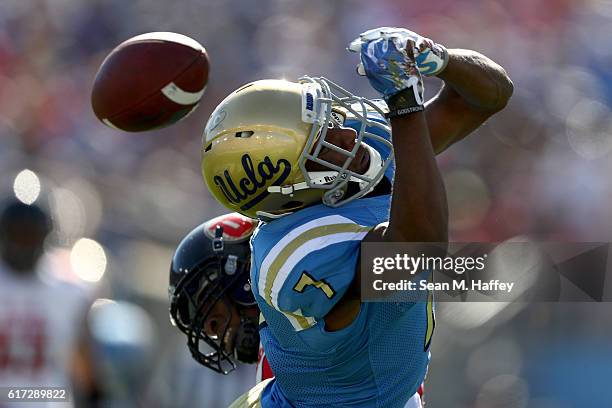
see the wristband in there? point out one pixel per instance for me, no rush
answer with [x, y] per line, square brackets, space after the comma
[405, 102]
[405, 111]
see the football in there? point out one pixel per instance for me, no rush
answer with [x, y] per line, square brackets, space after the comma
[150, 81]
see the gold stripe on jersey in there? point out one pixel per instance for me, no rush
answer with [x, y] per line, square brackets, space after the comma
[299, 321]
[291, 247]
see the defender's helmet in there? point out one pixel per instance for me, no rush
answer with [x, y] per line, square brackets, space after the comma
[258, 140]
[211, 265]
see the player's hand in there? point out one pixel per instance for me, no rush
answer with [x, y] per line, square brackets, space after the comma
[431, 58]
[390, 66]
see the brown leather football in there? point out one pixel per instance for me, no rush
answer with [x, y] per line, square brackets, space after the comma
[150, 81]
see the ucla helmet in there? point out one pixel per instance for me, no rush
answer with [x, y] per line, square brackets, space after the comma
[259, 138]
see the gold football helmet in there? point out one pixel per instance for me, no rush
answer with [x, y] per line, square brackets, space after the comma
[258, 140]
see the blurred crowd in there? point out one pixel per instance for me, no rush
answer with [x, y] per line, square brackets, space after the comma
[539, 168]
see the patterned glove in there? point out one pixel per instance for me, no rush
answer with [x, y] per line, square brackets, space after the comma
[390, 68]
[431, 58]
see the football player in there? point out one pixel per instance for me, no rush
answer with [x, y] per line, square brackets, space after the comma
[315, 162]
[44, 340]
[210, 295]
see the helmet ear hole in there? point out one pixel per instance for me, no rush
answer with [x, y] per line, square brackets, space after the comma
[207, 148]
[245, 134]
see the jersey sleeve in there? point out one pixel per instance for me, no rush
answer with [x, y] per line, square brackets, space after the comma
[309, 270]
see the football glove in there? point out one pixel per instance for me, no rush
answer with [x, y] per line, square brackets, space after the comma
[431, 58]
[389, 65]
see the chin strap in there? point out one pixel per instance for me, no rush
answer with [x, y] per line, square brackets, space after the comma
[325, 177]
[316, 177]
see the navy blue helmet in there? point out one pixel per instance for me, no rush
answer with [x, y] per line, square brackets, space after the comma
[210, 268]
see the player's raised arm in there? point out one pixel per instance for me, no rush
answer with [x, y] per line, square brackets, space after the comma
[474, 89]
[419, 210]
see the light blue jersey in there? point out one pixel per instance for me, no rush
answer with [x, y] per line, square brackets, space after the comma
[303, 264]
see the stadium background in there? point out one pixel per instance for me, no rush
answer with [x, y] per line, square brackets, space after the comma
[540, 167]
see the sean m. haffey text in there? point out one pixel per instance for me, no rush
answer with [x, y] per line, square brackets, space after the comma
[391, 271]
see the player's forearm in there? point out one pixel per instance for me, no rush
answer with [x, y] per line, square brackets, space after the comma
[419, 212]
[477, 79]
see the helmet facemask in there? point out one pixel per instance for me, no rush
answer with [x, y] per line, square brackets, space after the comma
[322, 102]
[196, 295]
